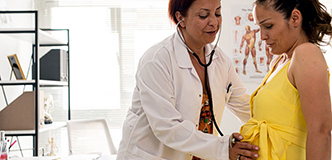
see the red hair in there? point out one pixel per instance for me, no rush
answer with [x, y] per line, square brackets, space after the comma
[178, 5]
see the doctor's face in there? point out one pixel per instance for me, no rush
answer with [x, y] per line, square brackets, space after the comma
[202, 22]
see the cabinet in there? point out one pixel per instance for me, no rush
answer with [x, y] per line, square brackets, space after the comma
[38, 38]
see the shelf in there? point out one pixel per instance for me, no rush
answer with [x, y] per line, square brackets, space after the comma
[32, 82]
[17, 82]
[46, 83]
[38, 38]
[53, 126]
[44, 128]
[27, 35]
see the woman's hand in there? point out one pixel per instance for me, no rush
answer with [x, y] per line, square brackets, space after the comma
[240, 150]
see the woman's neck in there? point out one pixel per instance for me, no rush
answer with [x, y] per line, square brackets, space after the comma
[300, 40]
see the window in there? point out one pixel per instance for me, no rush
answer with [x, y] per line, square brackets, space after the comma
[94, 65]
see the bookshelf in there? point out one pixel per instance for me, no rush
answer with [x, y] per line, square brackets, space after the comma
[37, 37]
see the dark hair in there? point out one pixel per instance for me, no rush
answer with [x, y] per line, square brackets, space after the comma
[178, 5]
[316, 20]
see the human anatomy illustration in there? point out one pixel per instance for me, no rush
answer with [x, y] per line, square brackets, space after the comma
[250, 38]
[251, 57]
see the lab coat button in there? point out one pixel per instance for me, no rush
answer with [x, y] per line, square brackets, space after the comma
[200, 95]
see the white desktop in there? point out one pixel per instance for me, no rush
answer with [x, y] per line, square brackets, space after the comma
[72, 157]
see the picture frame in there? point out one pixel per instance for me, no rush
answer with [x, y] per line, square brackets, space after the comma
[16, 67]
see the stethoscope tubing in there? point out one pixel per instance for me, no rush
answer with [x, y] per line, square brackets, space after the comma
[206, 76]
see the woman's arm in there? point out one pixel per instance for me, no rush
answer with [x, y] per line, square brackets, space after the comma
[308, 73]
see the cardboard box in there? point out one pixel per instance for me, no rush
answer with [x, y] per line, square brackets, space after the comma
[20, 114]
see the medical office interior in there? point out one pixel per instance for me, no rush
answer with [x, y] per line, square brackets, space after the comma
[103, 40]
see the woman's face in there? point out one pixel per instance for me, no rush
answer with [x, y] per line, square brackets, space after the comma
[202, 23]
[278, 34]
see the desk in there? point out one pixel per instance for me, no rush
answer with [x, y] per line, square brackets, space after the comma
[44, 128]
[88, 157]
[72, 157]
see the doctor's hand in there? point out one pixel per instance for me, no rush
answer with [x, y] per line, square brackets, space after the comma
[240, 150]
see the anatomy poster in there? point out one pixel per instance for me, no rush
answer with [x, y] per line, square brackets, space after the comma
[251, 57]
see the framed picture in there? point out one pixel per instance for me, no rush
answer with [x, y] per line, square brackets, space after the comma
[16, 67]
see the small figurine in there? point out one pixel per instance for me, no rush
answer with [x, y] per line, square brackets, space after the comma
[53, 146]
[48, 104]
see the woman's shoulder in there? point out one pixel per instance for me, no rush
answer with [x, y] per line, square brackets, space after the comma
[158, 54]
[307, 48]
[307, 52]
[307, 59]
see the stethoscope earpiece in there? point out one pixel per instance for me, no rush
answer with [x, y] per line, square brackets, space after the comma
[179, 23]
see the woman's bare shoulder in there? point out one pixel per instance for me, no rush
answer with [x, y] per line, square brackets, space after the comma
[308, 52]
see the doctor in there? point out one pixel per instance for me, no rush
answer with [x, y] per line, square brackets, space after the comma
[181, 83]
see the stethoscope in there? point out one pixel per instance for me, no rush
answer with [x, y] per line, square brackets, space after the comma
[206, 77]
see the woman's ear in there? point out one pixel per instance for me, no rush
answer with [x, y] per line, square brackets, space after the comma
[296, 18]
[179, 17]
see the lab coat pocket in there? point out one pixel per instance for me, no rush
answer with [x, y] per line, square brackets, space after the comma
[131, 118]
[137, 152]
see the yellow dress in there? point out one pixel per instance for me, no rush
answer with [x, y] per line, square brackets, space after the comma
[277, 124]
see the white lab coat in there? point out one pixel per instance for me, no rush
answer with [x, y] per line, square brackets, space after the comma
[162, 122]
